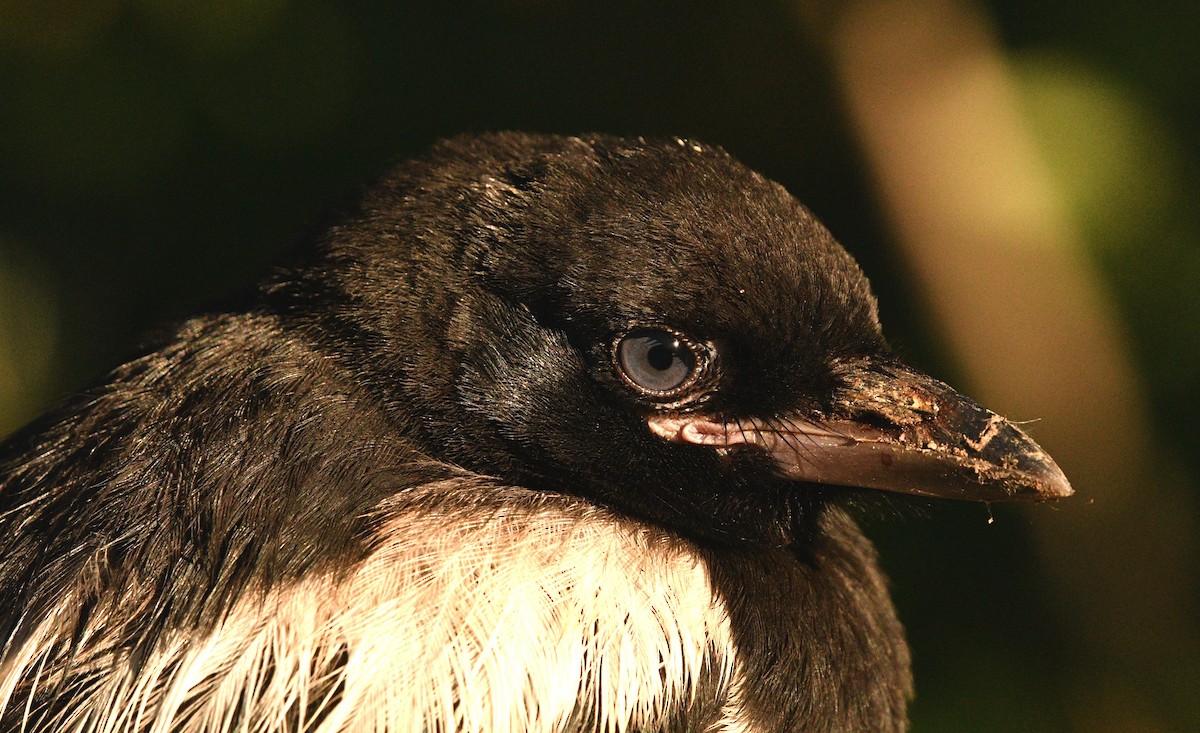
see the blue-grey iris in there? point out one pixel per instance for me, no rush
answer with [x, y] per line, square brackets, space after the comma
[655, 361]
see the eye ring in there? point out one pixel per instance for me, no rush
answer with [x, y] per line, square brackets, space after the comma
[657, 362]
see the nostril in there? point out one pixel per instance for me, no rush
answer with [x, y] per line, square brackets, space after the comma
[878, 421]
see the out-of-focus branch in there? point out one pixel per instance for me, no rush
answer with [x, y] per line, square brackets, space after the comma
[1001, 264]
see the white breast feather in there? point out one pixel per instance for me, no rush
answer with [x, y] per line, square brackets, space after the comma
[500, 622]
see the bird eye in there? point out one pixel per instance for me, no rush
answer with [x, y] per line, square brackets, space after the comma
[655, 361]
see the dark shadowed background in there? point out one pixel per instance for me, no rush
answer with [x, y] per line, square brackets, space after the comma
[1018, 178]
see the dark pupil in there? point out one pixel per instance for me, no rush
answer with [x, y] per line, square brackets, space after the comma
[661, 357]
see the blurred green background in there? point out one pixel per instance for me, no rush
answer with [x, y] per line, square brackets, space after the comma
[158, 155]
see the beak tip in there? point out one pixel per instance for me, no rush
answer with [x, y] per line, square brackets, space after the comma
[1039, 479]
[1021, 466]
[1054, 484]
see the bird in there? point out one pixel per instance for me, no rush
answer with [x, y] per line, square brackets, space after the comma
[546, 433]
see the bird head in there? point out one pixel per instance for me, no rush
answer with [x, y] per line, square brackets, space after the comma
[648, 324]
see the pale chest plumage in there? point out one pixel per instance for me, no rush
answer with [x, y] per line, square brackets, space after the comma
[540, 617]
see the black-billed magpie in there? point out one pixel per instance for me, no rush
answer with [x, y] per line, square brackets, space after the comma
[548, 434]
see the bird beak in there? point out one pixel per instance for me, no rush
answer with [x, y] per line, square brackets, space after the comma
[895, 429]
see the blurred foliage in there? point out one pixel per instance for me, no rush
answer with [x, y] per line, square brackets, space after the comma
[1131, 177]
[157, 155]
[28, 330]
[1113, 94]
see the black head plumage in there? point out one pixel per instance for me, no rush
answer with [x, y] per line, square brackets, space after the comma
[641, 334]
[490, 282]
